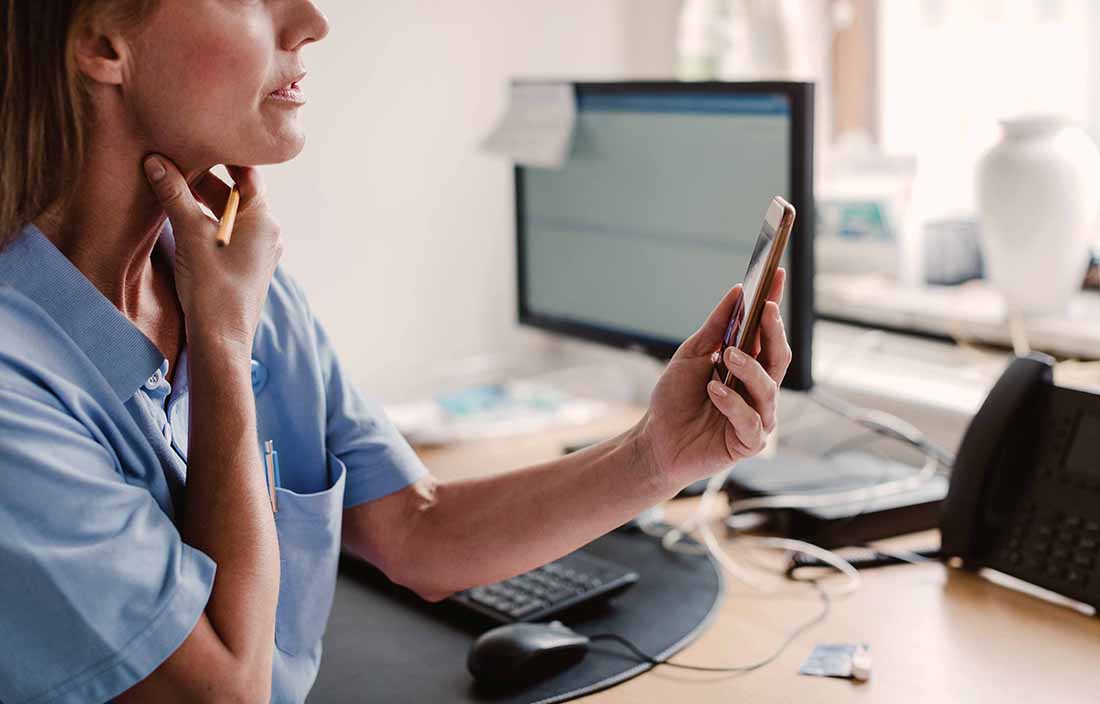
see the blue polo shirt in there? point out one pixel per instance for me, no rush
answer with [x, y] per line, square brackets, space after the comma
[97, 588]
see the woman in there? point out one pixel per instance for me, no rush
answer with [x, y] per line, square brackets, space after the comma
[142, 368]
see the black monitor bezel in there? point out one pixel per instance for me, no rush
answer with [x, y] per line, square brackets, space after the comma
[800, 318]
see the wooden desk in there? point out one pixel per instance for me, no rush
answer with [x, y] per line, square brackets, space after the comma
[936, 634]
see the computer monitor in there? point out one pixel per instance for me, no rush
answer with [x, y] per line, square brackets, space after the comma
[655, 212]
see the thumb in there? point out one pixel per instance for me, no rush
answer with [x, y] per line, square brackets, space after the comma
[170, 188]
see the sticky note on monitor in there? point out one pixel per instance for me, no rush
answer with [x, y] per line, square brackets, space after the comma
[537, 128]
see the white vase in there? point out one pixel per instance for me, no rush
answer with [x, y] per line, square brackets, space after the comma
[1038, 201]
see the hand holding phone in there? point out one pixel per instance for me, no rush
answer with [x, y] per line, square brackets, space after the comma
[686, 439]
[744, 324]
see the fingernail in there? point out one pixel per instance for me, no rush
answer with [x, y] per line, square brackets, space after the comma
[735, 356]
[719, 389]
[154, 170]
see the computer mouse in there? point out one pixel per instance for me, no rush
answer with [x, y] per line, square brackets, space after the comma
[524, 653]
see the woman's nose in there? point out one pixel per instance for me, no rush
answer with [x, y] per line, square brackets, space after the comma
[304, 24]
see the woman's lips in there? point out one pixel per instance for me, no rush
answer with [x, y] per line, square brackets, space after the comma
[292, 94]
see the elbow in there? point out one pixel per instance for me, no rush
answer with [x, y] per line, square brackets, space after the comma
[421, 577]
[434, 596]
[414, 577]
[419, 583]
[411, 574]
[425, 577]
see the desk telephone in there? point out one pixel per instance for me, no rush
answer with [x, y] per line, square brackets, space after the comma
[1024, 497]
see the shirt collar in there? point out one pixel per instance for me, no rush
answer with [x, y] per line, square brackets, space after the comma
[122, 353]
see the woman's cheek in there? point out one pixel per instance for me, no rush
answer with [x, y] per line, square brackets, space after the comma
[226, 70]
[222, 87]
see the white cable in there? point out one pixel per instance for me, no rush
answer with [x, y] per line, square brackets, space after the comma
[885, 424]
[671, 540]
[710, 541]
[747, 578]
[849, 496]
[870, 418]
[904, 555]
[875, 420]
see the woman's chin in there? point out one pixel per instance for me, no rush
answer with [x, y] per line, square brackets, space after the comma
[277, 148]
[278, 152]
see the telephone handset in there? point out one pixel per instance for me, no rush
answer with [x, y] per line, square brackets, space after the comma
[1024, 497]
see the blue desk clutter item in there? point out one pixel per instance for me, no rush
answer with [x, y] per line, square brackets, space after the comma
[492, 410]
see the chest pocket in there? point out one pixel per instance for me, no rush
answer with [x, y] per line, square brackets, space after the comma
[309, 549]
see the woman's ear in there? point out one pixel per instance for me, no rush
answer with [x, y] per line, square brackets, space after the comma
[99, 54]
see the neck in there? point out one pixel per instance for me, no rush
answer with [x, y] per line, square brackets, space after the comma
[110, 225]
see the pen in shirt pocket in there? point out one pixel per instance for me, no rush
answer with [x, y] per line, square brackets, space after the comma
[271, 471]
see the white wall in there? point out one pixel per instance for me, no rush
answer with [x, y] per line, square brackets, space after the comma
[398, 227]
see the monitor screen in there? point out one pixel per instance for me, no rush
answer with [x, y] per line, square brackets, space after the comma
[655, 213]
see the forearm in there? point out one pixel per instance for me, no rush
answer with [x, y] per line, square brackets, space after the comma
[227, 513]
[482, 530]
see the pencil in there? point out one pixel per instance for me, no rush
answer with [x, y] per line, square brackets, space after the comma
[229, 217]
[269, 467]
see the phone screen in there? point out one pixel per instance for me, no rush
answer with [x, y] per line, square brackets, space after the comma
[761, 253]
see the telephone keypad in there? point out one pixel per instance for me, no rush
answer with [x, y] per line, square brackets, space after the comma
[1053, 546]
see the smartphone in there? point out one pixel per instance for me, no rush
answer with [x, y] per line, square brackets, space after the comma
[745, 322]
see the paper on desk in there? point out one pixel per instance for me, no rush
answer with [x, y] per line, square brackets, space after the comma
[491, 411]
[537, 128]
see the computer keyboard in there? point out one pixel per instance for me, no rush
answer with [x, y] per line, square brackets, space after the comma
[577, 578]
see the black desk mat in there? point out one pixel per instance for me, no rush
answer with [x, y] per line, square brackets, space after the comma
[385, 646]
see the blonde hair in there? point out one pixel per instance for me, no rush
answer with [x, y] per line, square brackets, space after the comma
[42, 101]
